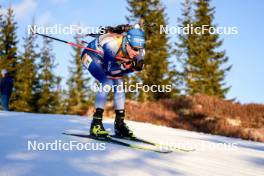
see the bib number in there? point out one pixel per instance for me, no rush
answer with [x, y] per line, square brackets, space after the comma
[87, 60]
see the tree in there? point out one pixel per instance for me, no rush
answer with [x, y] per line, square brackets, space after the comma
[184, 43]
[204, 64]
[156, 70]
[1, 37]
[26, 78]
[8, 43]
[47, 92]
[8, 46]
[62, 98]
[78, 95]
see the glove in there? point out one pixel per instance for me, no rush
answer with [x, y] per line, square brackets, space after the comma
[138, 65]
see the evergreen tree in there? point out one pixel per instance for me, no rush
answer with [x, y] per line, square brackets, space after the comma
[59, 98]
[184, 43]
[47, 95]
[8, 46]
[8, 43]
[212, 61]
[1, 36]
[26, 78]
[156, 70]
[62, 98]
[204, 70]
[79, 95]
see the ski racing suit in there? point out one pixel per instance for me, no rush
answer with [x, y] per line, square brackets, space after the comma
[107, 69]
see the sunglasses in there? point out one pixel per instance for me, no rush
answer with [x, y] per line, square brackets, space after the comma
[135, 49]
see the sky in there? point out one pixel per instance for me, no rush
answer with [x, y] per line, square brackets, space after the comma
[243, 49]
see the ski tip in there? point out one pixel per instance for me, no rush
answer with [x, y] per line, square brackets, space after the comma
[165, 152]
[186, 150]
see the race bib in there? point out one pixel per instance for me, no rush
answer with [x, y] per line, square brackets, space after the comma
[86, 60]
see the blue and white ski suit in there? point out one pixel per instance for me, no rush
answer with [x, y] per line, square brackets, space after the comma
[106, 68]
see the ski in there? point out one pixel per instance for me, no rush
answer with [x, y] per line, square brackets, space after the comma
[136, 139]
[109, 139]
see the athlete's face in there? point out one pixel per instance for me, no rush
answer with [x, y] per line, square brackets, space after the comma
[132, 52]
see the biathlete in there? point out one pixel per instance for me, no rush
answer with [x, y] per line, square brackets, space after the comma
[119, 55]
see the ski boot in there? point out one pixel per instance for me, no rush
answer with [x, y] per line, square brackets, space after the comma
[97, 129]
[121, 129]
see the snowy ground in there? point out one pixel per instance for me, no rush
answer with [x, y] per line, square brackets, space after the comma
[215, 155]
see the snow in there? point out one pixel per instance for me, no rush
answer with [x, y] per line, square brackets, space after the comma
[214, 155]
